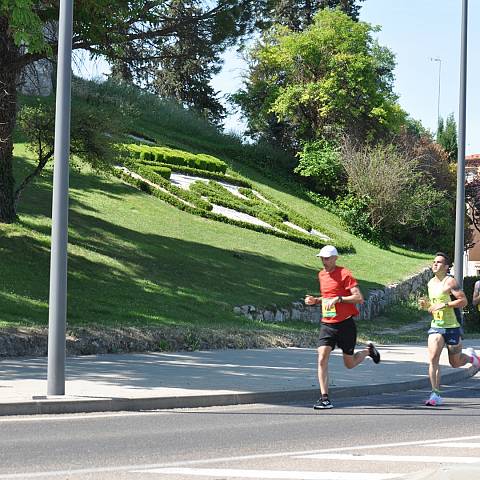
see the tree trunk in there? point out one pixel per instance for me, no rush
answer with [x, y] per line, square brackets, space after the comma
[8, 105]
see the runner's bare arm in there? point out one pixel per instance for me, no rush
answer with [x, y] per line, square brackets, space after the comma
[354, 297]
[460, 297]
[476, 294]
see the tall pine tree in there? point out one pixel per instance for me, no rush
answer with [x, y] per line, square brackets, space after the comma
[447, 137]
[298, 14]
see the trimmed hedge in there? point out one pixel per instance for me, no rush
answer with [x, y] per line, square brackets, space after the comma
[240, 182]
[269, 213]
[311, 241]
[172, 156]
[302, 221]
[185, 195]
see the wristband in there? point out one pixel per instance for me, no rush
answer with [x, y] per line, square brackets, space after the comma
[340, 299]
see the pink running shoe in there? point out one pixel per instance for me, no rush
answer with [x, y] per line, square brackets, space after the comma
[435, 400]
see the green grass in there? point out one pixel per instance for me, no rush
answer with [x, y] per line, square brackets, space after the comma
[136, 261]
[393, 325]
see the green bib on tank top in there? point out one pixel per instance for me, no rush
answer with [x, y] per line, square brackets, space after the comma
[444, 318]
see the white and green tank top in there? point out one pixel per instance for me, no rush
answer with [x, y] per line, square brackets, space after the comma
[444, 318]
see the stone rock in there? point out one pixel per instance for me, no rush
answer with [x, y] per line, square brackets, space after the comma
[375, 303]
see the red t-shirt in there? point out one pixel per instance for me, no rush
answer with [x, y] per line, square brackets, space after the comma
[339, 282]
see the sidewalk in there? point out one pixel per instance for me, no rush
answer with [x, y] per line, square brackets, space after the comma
[209, 378]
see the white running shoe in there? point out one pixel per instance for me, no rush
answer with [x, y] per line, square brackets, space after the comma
[472, 353]
[435, 400]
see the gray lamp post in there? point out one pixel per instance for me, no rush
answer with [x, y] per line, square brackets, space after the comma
[58, 260]
[439, 60]
[460, 210]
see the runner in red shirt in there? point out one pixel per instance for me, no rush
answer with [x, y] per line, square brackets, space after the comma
[339, 295]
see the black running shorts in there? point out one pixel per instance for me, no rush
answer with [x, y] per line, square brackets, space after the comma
[342, 334]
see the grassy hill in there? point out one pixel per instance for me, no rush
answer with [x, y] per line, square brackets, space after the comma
[137, 261]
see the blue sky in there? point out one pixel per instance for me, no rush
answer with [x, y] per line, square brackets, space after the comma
[416, 31]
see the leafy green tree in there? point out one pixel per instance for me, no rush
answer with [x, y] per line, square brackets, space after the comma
[298, 14]
[320, 162]
[90, 140]
[447, 137]
[330, 80]
[472, 199]
[133, 32]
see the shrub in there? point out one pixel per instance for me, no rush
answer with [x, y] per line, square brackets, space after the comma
[320, 163]
[162, 171]
[471, 313]
[237, 180]
[211, 163]
[154, 175]
[355, 213]
[173, 156]
[179, 193]
[396, 199]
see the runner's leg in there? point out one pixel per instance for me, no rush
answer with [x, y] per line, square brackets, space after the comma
[323, 357]
[351, 361]
[456, 358]
[436, 343]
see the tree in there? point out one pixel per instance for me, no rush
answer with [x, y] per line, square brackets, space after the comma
[447, 137]
[91, 141]
[299, 14]
[134, 32]
[182, 67]
[472, 199]
[319, 161]
[189, 63]
[330, 80]
[397, 195]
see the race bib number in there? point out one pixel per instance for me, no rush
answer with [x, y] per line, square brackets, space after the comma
[328, 312]
[438, 315]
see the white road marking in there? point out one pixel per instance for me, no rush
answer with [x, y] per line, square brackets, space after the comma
[206, 461]
[391, 458]
[275, 474]
[80, 416]
[454, 445]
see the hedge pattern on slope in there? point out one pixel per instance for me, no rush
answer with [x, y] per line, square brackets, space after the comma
[240, 182]
[171, 156]
[186, 195]
[271, 212]
[170, 198]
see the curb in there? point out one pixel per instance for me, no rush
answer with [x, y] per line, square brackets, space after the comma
[56, 405]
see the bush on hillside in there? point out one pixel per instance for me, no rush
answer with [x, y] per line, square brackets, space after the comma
[395, 198]
[319, 162]
[471, 313]
[354, 212]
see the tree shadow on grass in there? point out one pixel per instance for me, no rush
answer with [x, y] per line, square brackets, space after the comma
[118, 275]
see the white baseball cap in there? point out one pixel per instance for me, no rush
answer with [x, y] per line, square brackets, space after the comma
[328, 251]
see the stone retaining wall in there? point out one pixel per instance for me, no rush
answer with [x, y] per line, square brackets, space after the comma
[375, 303]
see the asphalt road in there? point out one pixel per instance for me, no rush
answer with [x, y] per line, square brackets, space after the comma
[374, 438]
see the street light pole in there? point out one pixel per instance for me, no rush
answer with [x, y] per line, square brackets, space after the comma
[58, 259]
[439, 60]
[460, 210]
